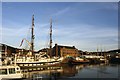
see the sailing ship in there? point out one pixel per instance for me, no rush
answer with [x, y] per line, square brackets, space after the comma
[30, 58]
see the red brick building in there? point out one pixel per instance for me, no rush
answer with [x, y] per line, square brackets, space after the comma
[62, 51]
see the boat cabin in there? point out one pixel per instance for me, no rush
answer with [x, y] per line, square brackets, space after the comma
[10, 72]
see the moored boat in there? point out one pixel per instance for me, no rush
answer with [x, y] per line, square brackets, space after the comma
[10, 72]
[72, 60]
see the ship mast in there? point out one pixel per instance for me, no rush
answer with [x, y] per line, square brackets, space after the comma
[50, 33]
[50, 46]
[97, 52]
[32, 36]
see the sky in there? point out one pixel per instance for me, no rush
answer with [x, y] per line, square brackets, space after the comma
[85, 25]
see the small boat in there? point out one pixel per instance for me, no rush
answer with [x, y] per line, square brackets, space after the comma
[81, 60]
[10, 72]
[102, 60]
[72, 60]
[67, 60]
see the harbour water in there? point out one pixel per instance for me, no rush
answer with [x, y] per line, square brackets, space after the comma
[84, 71]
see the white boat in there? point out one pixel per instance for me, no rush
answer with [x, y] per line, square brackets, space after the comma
[10, 72]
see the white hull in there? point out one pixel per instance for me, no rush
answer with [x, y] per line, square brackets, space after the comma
[10, 72]
[11, 76]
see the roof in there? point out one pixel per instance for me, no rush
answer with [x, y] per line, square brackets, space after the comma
[69, 47]
[43, 50]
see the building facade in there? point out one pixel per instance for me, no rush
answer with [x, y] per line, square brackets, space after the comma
[62, 51]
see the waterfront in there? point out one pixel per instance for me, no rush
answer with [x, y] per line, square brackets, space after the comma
[74, 39]
[110, 71]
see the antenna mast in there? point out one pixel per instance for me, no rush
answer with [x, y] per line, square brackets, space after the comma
[32, 36]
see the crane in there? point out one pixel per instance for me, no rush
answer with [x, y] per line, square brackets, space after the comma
[26, 41]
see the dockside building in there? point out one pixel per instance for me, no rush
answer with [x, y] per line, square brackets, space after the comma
[62, 51]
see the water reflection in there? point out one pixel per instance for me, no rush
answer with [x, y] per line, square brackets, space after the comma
[73, 71]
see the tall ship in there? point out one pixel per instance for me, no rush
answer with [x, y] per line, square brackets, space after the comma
[30, 58]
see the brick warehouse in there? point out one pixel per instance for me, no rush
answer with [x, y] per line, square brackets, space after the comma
[62, 51]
